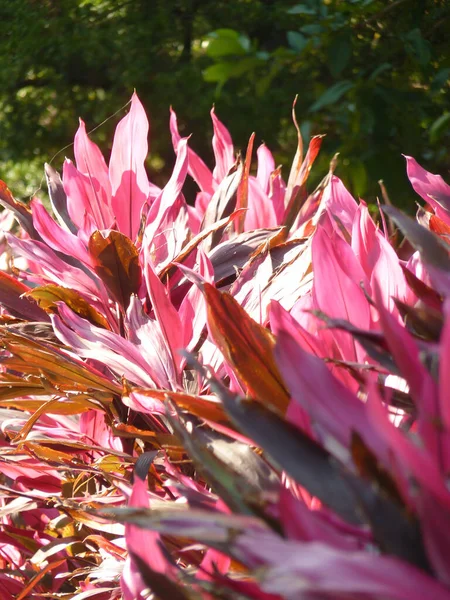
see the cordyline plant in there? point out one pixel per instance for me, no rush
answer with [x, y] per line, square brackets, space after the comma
[244, 398]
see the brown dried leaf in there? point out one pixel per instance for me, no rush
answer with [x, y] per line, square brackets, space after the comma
[116, 262]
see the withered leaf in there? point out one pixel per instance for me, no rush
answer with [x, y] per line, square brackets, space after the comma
[242, 192]
[36, 358]
[48, 295]
[196, 405]
[296, 188]
[248, 347]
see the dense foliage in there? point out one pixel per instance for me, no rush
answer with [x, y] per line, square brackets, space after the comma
[245, 397]
[371, 74]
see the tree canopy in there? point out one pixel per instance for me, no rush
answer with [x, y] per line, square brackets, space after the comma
[373, 75]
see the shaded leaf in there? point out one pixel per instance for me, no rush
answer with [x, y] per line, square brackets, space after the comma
[233, 254]
[331, 95]
[396, 531]
[20, 210]
[222, 478]
[432, 250]
[373, 342]
[429, 296]
[158, 583]
[297, 41]
[423, 321]
[223, 202]
[12, 298]
[294, 452]
[58, 198]
[339, 53]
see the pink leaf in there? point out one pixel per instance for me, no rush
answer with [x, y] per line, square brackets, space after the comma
[90, 162]
[303, 524]
[337, 292]
[57, 237]
[223, 149]
[333, 409]
[339, 202]
[266, 166]
[54, 269]
[168, 196]
[197, 168]
[295, 569]
[165, 313]
[81, 203]
[192, 312]
[129, 182]
[261, 213]
[422, 387]
[105, 346]
[144, 544]
[432, 188]
[364, 239]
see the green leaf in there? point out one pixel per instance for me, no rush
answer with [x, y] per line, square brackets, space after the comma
[297, 41]
[417, 47]
[218, 73]
[440, 79]
[227, 42]
[312, 29]
[331, 95]
[225, 70]
[358, 176]
[301, 9]
[439, 127]
[380, 69]
[339, 54]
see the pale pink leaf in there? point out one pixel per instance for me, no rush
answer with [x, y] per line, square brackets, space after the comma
[57, 237]
[90, 162]
[432, 188]
[266, 166]
[165, 313]
[223, 149]
[129, 183]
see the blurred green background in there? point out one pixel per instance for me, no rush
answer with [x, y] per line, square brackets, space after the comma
[373, 75]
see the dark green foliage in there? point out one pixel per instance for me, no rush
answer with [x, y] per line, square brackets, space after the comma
[371, 74]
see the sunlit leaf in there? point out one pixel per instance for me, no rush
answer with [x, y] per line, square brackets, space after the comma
[48, 295]
[116, 262]
[247, 346]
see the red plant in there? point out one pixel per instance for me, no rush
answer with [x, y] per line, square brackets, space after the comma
[246, 397]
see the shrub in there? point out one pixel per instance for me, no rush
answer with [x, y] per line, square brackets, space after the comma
[243, 398]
